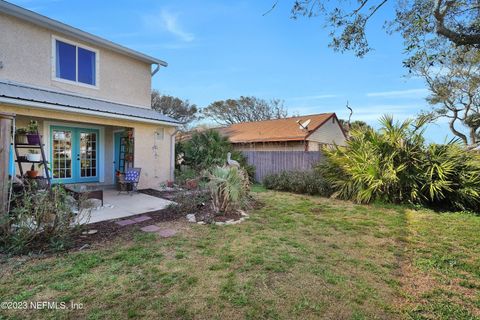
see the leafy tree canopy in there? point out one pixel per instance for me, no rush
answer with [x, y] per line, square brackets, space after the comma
[181, 110]
[417, 20]
[453, 79]
[245, 109]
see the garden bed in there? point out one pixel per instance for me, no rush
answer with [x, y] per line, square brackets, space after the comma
[107, 231]
[198, 203]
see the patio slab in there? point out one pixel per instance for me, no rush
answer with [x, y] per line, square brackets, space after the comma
[125, 222]
[117, 206]
[166, 233]
[150, 228]
[141, 218]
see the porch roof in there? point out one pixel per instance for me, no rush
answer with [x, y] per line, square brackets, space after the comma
[33, 97]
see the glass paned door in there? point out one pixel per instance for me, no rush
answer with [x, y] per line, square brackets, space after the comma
[74, 154]
[88, 154]
[62, 153]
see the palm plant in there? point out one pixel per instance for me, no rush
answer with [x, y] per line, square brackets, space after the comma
[228, 187]
[209, 148]
[395, 165]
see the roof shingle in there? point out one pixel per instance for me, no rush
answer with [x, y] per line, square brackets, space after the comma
[286, 129]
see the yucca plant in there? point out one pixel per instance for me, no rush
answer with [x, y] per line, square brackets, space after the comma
[395, 165]
[228, 187]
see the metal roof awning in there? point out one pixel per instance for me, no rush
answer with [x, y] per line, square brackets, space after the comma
[24, 95]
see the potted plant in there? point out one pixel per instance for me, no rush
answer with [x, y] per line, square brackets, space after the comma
[129, 157]
[34, 156]
[32, 133]
[21, 136]
[32, 173]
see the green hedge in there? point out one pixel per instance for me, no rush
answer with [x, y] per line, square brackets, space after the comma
[307, 182]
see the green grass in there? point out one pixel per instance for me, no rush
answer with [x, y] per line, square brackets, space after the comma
[296, 257]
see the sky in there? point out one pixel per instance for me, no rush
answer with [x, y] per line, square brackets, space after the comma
[218, 50]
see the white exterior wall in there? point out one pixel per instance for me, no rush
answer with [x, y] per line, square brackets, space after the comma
[329, 133]
[26, 55]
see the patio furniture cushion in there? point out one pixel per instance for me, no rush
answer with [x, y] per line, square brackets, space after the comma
[132, 176]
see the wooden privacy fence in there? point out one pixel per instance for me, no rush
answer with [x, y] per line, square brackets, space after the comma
[268, 162]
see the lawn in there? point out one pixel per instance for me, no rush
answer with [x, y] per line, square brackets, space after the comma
[296, 257]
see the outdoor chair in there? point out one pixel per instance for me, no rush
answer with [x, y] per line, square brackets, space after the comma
[130, 181]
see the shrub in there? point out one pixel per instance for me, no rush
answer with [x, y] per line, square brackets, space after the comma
[39, 220]
[208, 149]
[183, 174]
[188, 202]
[395, 165]
[205, 149]
[228, 188]
[308, 182]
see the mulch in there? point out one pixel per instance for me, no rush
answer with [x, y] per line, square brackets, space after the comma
[109, 230]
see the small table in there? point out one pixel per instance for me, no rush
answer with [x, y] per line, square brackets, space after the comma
[85, 191]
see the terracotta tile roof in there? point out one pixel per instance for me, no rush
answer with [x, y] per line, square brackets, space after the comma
[274, 130]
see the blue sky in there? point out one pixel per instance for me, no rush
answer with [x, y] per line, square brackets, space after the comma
[224, 49]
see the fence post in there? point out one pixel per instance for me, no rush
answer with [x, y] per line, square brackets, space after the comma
[5, 137]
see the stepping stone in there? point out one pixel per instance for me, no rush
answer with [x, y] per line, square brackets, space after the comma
[150, 228]
[165, 233]
[92, 231]
[125, 222]
[141, 218]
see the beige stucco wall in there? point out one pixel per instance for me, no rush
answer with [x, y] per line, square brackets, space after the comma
[270, 146]
[26, 54]
[152, 155]
[328, 133]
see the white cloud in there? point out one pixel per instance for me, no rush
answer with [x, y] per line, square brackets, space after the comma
[409, 93]
[169, 22]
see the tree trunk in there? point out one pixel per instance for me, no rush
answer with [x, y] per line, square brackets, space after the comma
[473, 137]
[455, 131]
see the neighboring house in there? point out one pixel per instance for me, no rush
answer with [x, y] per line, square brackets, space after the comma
[302, 133]
[86, 93]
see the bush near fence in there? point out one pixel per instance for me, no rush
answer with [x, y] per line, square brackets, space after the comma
[308, 182]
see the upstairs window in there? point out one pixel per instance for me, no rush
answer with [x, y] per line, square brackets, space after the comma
[75, 63]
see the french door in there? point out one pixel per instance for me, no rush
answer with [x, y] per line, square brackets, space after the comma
[74, 154]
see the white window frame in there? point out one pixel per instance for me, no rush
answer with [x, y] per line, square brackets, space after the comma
[77, 45]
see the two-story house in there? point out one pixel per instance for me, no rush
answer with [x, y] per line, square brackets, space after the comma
[86, 93]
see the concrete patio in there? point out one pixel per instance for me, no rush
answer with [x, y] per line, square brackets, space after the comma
[116, 206]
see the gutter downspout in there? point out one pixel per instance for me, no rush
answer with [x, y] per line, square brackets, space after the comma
[156, 69]
[172, 154]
